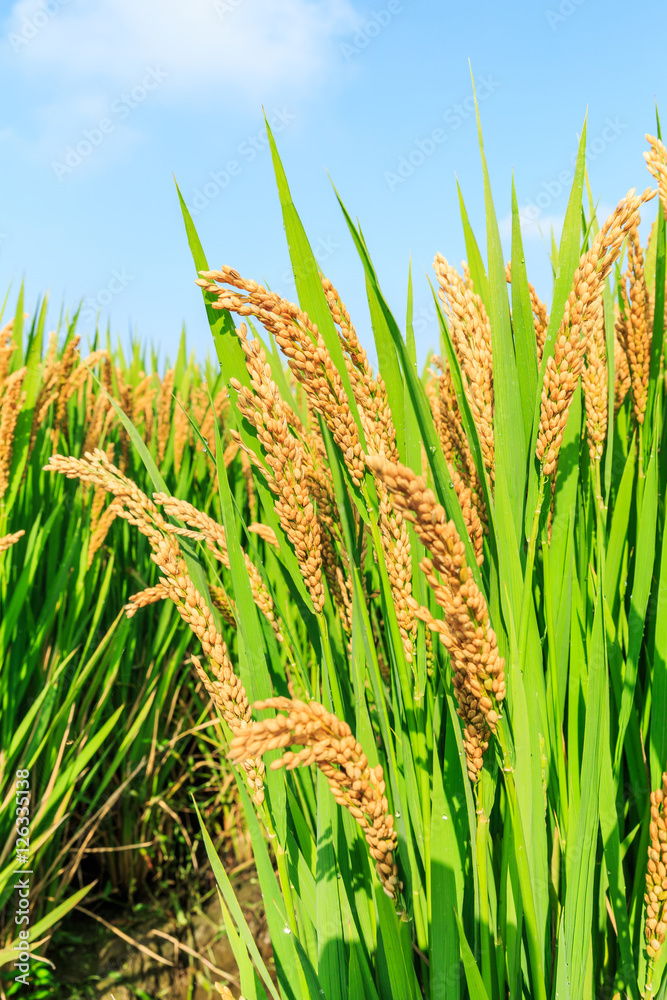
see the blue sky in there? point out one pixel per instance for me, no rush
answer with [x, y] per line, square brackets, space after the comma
[105, 99]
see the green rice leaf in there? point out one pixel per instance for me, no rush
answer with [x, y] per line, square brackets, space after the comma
[388, 363]
[229, 897]
[581, 847]
[523, 325]
[307, 279]
[473, 977]
[568, 259]
[508, 423]
[447, 866]
[332, 958]
[240, 951]
[475, 263]
[8, 954]
[228, 349]
[641, 589]
[658, 731]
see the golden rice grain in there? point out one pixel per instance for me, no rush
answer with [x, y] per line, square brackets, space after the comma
[471, 336]
[226, 690]
[205, 528]
[10, 407]
[634, 330]
[98, 536]
[656, 874]
[564, 366]
[622, 377]
[164, 413]
[656, 161]
[263, 407]
[302, 344]
[466, 632]
[6, 541]
[594, 381]
[328, 742]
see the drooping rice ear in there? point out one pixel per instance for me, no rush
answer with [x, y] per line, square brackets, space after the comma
[565, 365]
[328, 742]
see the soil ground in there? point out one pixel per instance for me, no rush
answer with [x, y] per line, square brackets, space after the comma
[94, 963]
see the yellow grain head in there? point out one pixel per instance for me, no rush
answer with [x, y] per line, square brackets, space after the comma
[328, 742]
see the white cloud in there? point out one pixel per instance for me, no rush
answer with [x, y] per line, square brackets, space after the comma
[535, 225]
[217, 52]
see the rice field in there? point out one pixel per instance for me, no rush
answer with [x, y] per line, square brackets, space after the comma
[399, 636]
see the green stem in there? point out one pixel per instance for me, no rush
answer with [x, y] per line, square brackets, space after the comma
[521, 857]
[561, 794]
[330, 676]
[648, 983]
[286, 889]
[414, 709]
[602, 510]
[530, 562]
[484, 916]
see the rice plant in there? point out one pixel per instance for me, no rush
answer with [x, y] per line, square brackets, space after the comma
[447, 699]
[99, 710]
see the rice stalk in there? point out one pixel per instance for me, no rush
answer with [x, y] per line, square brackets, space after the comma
[208, 530]
[466, 632]
[565, 365]
[540, 314]
[655, 924]
[634, 330]
[7, 347]
[301, 342]
[6, 541]
[328, 742]
[226, 690]
[656, 161]
[471, 335]
[460, 463]
[102, 525]
[64, 372]
[622, 376]
[164, 413]
[594, 381]
[10, 405]
[371, 397]
[263, 407]
[181, 431]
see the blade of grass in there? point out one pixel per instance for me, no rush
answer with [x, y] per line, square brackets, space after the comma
[568, 258]
[508, 424]
[307, 278]
[229, 897]
[523, 325]
[227, 346]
